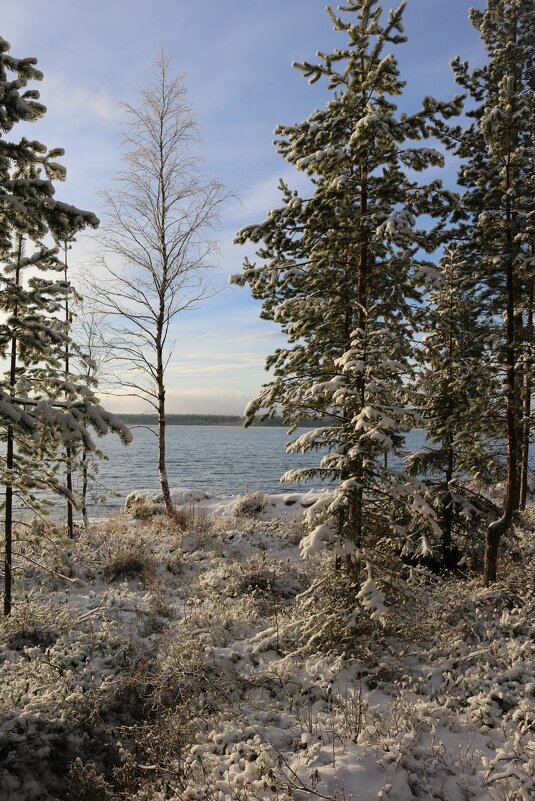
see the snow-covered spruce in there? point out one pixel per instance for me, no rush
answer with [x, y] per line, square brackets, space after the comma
[496, 226]
[455, 392]
[338, 271]
[40, 408]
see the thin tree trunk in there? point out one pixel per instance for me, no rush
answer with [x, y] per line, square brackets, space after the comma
[162, 470]
[160, 324]
[162, 467]
[447, 501]
[84, 487]
[346, 469]
[447, 512]
[498, 528]
[362, 324]
[68, 449]
[8, 534]
[528, 389]
[10, 459]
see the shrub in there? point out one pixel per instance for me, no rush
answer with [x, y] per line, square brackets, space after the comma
[193, 518]
[130, 561]
[250, 505]
[145, 510]
[34, 624]
[85, 783]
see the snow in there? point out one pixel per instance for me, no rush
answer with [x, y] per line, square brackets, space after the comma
[176, 662]
[276, 506]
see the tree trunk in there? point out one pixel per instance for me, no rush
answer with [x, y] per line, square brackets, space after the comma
[498, 528]
[84, 487]
[10, 458]
[8, 534]
[68, 449]
[162, 470]
[68, 483]
[447, 512]
[160, 324]
[362, 297]
[447, 501]
[528, 388]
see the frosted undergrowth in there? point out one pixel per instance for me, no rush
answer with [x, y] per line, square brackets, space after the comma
[155, 664]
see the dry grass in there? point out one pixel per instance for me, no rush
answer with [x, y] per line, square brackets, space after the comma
[34, 624]
[250, 505]
[145, 510]
[85, 783]
[193, 518]
[130, 561]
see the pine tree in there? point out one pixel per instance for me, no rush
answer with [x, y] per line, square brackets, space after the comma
[339, 272]
[455, 390]
[497, 150]
[38, 408]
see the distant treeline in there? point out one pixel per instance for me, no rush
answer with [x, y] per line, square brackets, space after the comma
[203, 420]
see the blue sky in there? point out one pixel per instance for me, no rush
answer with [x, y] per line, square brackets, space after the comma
[236, 56]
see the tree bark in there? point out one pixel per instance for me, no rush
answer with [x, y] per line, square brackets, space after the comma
[160, 323]
[498, 528]
[68, 449]
[162, 470]
[8, 534]
[10, 458]
[447, 512]
[85, 483]
[362, 297]
[528, 389]
[447, 501]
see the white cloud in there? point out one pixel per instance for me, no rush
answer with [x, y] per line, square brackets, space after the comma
[63, 98]
[239, 336]
[191, 401]
[259, 198]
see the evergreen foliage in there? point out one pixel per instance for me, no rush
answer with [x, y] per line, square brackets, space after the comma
[340, 271]
[456, 394]
[498, 208]
[39, 407]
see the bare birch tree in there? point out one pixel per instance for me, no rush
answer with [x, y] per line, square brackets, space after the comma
[155, 241]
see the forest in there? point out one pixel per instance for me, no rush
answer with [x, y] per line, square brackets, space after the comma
[370, 639]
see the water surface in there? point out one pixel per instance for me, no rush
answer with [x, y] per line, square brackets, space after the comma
[226, 460]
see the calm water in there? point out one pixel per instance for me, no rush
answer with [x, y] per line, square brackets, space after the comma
[225, 460]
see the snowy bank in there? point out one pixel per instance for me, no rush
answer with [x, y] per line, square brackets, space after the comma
[262, 506]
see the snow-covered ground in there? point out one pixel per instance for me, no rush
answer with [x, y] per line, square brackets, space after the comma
[264, 506]
[150, 663]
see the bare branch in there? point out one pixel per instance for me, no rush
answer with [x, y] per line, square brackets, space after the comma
[155, 240]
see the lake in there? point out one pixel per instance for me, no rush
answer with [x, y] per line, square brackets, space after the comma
[226, 460]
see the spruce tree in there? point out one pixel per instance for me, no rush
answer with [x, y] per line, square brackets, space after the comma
[455, 390]
[38, 408]
[497, 172]
[338, 271]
